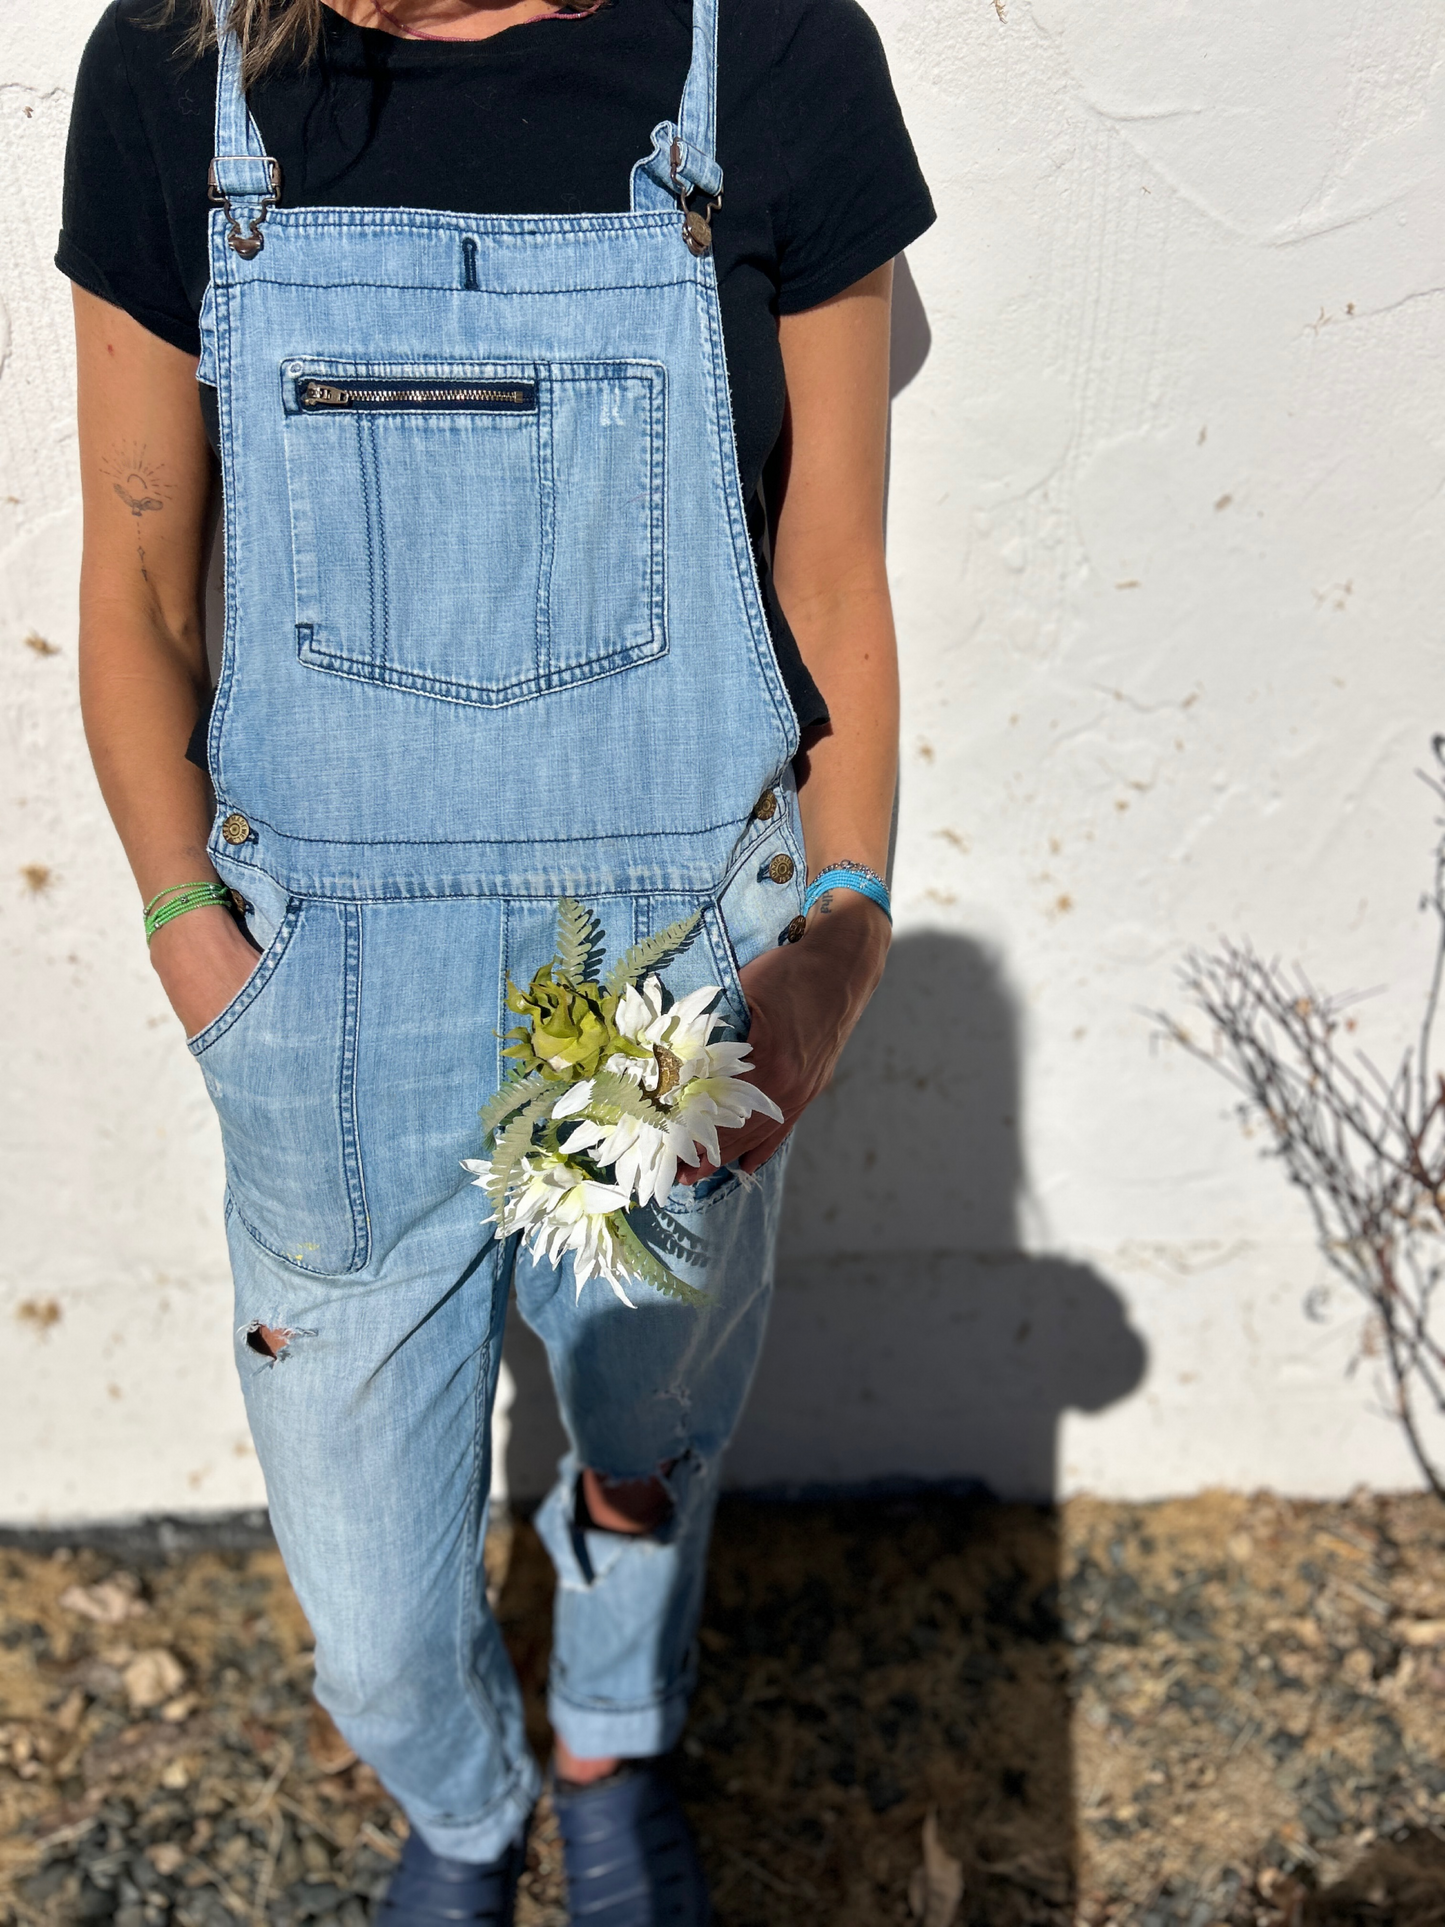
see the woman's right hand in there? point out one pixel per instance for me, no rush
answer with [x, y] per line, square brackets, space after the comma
[202, 959]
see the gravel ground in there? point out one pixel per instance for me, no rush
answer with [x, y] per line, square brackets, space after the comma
[1216, 1710]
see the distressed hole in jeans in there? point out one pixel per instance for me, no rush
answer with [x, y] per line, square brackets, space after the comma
[632, 1506]
[271, 1342]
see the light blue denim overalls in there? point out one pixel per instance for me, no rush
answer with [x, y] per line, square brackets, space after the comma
[493, 636]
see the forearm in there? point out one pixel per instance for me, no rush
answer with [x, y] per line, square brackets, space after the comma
[141, 690]
[829, 570]
[850, 771]
[147, 482]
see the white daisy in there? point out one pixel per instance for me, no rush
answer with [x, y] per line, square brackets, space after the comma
[558, 1209]
[693, 1081]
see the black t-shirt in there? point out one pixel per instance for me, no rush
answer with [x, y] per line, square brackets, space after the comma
[821, 185]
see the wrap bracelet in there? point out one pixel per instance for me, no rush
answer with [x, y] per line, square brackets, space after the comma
[166, 905]
[850, 876]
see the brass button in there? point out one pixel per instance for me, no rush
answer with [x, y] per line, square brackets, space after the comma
[780, 868]
[795, 930]
[766, 807]
[236, 829]
[240, 902]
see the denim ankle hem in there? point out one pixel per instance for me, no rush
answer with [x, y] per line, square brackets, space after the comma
[489, 1836]
[629, 1733]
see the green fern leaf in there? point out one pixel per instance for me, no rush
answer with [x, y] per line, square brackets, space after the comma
[515, 1092]
[648, 1268]
[513, 1144]
[653, 953]
[579, 941]
[614, 1097]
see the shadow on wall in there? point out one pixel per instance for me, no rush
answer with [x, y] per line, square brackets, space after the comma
[911, 336]
[911, 1336]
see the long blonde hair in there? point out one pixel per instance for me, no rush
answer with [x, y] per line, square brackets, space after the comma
[271, 32]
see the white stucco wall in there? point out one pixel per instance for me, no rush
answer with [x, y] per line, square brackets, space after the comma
[1168, 536]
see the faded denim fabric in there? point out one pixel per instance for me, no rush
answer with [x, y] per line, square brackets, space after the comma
[493, 636]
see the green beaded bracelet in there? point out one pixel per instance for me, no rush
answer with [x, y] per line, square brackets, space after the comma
[183, 897]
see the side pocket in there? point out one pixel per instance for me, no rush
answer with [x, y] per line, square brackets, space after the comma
[266, 965]
[760, 896]
[280, 1066]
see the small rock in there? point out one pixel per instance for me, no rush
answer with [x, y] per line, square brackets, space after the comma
[1419, 1632]
[151, 1678]
[110, 1602]
[1358, 1668]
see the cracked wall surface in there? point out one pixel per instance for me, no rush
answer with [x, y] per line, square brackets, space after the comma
[1167, 519]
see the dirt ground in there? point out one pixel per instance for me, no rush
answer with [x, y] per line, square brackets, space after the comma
[1218, 1710]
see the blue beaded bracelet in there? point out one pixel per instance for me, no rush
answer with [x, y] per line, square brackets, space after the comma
[850, 876]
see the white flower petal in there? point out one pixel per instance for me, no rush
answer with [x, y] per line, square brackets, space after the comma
[576, 1098]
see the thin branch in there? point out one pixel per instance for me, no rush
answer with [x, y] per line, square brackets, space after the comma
[1366, 1148]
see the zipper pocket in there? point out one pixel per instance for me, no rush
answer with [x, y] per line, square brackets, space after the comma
[489, 397]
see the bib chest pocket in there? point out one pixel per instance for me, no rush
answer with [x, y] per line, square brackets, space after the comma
[482, 534]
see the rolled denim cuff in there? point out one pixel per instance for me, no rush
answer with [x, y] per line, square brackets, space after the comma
[488, 1836]
[623, 1732]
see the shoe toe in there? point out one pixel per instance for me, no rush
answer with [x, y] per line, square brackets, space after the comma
[429, 1891]
[630, 1856]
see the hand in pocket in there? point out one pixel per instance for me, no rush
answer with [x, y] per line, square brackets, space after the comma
[203, 960]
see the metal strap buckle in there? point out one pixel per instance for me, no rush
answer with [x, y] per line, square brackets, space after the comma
[696, 227]
[247, 244]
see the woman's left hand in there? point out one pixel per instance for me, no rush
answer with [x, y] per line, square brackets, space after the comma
[805, 999]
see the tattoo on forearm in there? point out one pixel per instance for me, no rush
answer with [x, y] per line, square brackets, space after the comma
[141, 484]
[825, 904]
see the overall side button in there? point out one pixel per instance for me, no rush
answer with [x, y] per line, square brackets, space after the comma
[780, 868]
[235, 829]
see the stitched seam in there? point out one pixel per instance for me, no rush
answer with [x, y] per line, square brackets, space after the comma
[495, 843]
[620, 1707]
[725, 958]
[496, 369]
[225, 400]
[375, 541]
[547, 522]
[414, 286]
[261, 976]
[347, 1094]
[285, 1258]
[593, 669]
[764, 655]
[657, 404]
[505, 949]
[399, 220]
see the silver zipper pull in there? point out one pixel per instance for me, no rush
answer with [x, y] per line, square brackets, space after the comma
[316, 394]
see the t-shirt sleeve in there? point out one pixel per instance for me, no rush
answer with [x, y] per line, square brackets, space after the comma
[853, 193]
[115, 237]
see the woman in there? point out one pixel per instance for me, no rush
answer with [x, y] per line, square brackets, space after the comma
[552, 489]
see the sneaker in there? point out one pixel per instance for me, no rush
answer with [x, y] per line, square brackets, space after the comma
[629, 1853]
[427, 1891]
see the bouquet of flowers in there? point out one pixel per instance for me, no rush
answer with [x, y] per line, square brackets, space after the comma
[615, 1086]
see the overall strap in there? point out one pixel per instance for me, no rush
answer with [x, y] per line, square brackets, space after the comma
[244, 179]
[683, 160]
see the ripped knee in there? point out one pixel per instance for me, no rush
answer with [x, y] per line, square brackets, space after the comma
[632, 1506]
[271, 1342]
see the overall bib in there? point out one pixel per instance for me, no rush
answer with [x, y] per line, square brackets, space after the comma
[493, 637]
